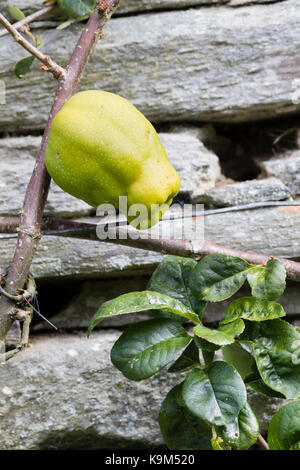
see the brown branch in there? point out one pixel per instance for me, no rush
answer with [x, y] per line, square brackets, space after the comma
[262, 443]
[189, 248]
[48, 63]
[29, 19]
[37, 190]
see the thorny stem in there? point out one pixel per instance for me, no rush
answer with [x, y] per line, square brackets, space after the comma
[29, 19]
[37, 190]
[48, 64]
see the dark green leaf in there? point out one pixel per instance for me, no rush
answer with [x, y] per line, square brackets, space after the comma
[223, 335]
[205, 345]
[284, 429]
[217, 277]
[189, 358]
[23, 66]
[139, 302]
[267, 282]
[216, 395]
[243, 432]
[15, 13]
[253, 309]
[78, 8]
[147, 347]
[235, 355]
[259, 386]
[171, 278]
[180, 429]
[276, 347]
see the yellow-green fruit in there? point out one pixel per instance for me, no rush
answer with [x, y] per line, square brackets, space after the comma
[101, 147]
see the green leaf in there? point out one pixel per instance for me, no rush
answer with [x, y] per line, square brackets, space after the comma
[217, 277]
[147, 347]
[284, 429]
[23, 66]
[67, 23]
[216, 395]
[205, 345]
[259, 386]
[189, 358]
[295, 446]
[139, 302]
[39, 42]
[180, 429]
[78, 8]
[235, 355]
[276, 347]
[269, 282]
[223, 335]
[16, 13]
[171, 278]
[243, 432]
[253, 309]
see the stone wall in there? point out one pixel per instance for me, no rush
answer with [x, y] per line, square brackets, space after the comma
[205, 72]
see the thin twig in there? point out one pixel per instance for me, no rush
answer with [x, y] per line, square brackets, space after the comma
[29, 19]
[48, 64]
[262, 443]
[37, 190]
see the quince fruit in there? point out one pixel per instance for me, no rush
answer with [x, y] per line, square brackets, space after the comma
[101, 147]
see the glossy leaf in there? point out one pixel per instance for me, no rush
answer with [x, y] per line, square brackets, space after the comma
[276, 347]
[243, 432]
[189, 358]
[284, 429]
[205, 345]
[217, 277]
[171, 278]
[23, 66]
[15, 13]
[223, 335]
[139, 302]
[147, 347]
[235, 355]
[216, 395]
[267, 282]
[253, 309]
[180, 429]
[78, 8]
[259, 386]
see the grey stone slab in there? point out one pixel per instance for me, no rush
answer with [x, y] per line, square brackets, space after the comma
[245, 192]
[286, 167]
[64, 393]
[205, 64]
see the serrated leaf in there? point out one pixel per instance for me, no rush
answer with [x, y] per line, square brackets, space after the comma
[139, 302]
[223, 335]
[23, 66]
[77, 9]
[180, 429]
[16, 13]
[171, 278]
[284, 428]
[217, 277]
[147, 347]
[267, 282]
[276, 347]
[243, 432]
[189, 358]
[253, 309]
[216, 395]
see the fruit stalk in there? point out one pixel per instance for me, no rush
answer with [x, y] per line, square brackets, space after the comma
[37, 190]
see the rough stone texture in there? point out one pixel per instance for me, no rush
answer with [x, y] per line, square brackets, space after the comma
[84, 299]
[64, 393]
[16, 166]
[131, 6]
[198, 169]
[268, 189]
[287, 168]
[217, 64]
[274, 231]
